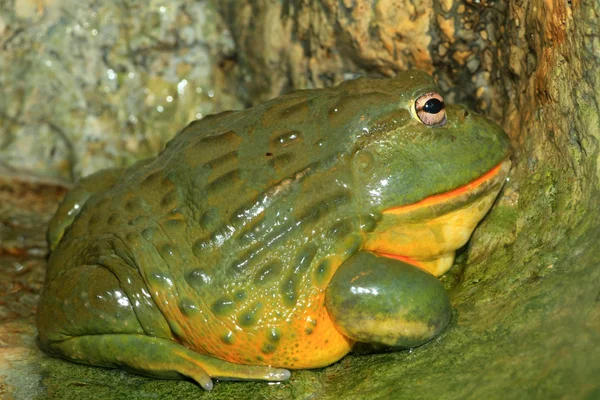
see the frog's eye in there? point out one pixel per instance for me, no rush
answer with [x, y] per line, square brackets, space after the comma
[430, 109]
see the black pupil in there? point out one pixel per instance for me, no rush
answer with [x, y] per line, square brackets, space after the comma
[433, 106]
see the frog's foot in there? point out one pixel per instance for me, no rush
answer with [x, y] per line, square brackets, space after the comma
[160, 358]
[386, 301]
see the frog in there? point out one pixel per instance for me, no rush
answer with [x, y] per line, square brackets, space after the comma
[274, 238]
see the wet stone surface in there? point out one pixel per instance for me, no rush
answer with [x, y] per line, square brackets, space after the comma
[88, 84]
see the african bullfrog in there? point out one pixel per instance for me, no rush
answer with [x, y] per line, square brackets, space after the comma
[274, 238]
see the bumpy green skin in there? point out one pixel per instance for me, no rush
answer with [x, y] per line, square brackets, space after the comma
[376, 292]
[241, 222]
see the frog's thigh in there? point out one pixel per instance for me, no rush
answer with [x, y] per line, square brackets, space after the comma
[386, 301]
[85, 317]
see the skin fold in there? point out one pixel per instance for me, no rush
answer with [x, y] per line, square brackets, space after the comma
[273, 238]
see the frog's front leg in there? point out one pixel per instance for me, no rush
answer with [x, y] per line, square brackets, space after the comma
[385, 301]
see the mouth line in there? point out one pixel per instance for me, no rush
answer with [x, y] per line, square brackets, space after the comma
[428, 232]
[475, 187]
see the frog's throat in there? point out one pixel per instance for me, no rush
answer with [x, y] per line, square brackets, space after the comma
[428, 232]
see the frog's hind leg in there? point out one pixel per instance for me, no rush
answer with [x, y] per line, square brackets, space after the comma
[85, 317]
[161, 358]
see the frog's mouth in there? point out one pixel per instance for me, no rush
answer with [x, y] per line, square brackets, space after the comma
[428, 232]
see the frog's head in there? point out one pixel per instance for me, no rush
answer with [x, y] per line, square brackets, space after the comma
[431, 170]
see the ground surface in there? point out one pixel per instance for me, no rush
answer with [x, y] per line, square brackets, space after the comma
[526, 324]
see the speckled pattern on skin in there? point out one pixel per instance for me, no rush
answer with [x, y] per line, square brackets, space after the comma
[225, 243]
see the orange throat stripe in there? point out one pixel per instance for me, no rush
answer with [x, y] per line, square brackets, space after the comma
[442, 197]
